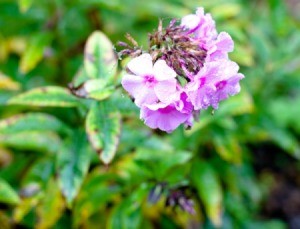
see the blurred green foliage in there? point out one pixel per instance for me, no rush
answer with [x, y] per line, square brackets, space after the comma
[228, 164]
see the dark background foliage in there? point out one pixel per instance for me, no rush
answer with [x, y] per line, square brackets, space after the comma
[238, 168]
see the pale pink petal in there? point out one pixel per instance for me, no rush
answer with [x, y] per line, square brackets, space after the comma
[224, 42]
[136, 87]
[166, 90]
[201, 98]
[190, 21]
[141, 65]
[162, 71]
[132, 84]
[200, 12]
[166, 118]
[146, 96]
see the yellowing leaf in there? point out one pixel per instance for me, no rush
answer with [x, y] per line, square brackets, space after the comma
[34, 51]
[32, 140]
[17, 45]
[8, 84]
[51, 207]
[51, 96]
[228, 148]
[100, 60]
[32, 122]
[26, 204]
[103, 126]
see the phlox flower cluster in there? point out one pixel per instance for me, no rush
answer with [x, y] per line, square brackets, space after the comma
[185, 70]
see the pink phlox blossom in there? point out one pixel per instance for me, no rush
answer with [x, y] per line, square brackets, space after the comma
[186, 70]
[214, 82]
[149, 83]
[168, 117]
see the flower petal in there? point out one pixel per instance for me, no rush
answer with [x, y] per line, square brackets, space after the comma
[141, 65]
[190, 21]
[166, 118]
[166, 90]
[136, 87]
[162, 71]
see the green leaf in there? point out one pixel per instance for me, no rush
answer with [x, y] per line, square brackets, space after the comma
[32, 140]
[34, 52]
[94, 89]
[100, 60]
[39, 172]
[73, 162]
[32, 122]
[209, 189]
[51, 207]
[80, 77]
[51, 96]
[103, 126]
[7, 193]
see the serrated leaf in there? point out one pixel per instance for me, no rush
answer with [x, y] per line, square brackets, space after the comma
[51, 207]
[32, 140]
[51, 96]
[32, 122]
[99, 58]
[34, 51]
[209, 189]
[7, 193]
[103, 126]
[73, 162]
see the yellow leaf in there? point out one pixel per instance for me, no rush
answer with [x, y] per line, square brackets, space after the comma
[3, 49]
[17, 45]
[51, 207]
[8, 84]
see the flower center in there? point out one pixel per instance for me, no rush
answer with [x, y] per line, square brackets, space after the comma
[202, 81]
[179, 49]
[150, 81]
[220, 85]
[166, 110]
